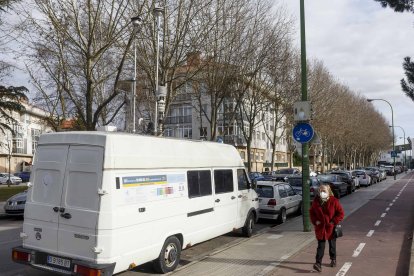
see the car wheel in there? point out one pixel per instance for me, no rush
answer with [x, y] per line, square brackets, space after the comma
[282, 216]
[248, 226]
[338, 194]
[169, 256]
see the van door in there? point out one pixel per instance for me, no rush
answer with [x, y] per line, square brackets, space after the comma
[244, 197]
[78, 215]
[41, 215]
[225, 202]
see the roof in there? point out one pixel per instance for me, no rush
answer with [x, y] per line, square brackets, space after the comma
[127, 151]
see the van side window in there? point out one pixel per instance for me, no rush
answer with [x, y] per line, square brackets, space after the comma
[223, 181]
[242, 180]
[282, 191]
[199, 183]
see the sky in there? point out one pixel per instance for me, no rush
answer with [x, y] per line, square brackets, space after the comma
[363, 45]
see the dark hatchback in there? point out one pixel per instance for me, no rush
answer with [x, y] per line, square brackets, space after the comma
[347, 178]
[296, 182]
[335, 181]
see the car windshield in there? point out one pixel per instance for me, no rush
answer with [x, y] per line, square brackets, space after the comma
[265, 191]
[326, 178]
[286, 171]
[297, 182]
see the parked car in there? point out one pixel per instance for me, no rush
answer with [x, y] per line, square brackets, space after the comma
[390, 170]
[268, 176]
[363, 177]
[4, 179]
[15, 204]
[282, 174]
[383, 174]
[277, 200]
[296, 182]
[347, 178]
[256, 176]
[374, 174]
[25, 176]
[335, 181]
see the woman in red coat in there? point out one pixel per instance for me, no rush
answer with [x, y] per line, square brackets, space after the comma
[325, 213]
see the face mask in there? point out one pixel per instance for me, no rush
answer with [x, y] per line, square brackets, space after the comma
[324, 195]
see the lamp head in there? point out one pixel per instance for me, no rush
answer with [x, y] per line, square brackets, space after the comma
[369, 100]
[136, 21]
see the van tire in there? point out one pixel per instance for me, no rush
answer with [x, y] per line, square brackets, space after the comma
[249, 225]
[169, 256]
[282, 216]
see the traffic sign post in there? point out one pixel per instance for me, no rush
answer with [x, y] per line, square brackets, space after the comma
[303, 132]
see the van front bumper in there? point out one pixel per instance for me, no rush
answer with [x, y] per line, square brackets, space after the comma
[41, 260]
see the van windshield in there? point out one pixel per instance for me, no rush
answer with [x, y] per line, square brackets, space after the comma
[265, 191]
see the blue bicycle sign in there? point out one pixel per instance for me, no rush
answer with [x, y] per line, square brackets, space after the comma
[303, 132]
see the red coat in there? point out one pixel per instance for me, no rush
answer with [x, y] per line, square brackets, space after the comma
[329, 214]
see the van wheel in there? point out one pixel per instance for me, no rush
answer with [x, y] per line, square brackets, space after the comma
[282, 216]
[248, 226]
[169, 256]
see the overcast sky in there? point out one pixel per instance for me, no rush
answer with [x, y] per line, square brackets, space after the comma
[363, 45]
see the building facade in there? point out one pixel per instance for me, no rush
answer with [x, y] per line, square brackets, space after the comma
[16, 151]
[189, 118]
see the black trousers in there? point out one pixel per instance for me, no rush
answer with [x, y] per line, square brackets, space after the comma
[321, 250]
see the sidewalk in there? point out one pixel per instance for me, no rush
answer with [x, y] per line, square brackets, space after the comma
[264, 253]
[2, 213]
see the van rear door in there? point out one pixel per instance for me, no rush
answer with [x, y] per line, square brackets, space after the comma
[41, 214]
[80, 202]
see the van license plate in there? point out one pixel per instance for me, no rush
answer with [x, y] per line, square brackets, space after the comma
[58, 261]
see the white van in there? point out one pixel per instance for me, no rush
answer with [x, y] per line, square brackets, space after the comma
[101, 203]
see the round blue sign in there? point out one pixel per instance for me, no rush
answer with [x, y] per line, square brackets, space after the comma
[303, 132]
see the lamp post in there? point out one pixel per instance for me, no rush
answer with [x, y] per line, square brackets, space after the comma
[392, 125]
[405, 162]
[136, 21]
[158, 11]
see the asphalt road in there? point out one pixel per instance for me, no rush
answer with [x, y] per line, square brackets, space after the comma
[11, 227]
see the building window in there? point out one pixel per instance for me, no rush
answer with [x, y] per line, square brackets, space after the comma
[184, 132]
[179, 115]
[35, 133]
[18, 145]
[243, 155]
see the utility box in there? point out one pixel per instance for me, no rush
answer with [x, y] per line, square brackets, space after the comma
[302, 111]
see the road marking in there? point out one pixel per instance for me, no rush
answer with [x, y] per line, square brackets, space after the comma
[377, 223]
[393, 200]
[383, 215]
[358, 250]
[344, 269]
[391, 204]
[370, 233]
[387, 209]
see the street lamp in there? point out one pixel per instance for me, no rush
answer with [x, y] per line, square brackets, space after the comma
[136, 21]
[158, 11]
[405, 162]
[392, 125]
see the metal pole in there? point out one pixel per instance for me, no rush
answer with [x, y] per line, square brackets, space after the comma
[134, 83]
[305, 146]
[157, 14]
[405, 160]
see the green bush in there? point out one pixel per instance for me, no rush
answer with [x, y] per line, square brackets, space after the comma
[7, 192]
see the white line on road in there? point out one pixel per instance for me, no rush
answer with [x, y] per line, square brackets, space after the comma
[377, 223]
[391, 204]
[274, 237]
[393, 200]
[358, 250]
[370, 233]
[383, 215]
[387, 209]
[344, 269]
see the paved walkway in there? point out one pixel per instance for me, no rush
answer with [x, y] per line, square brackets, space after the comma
[284, 250]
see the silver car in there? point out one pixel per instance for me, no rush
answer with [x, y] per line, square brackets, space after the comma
[4, 179]
[277, 200]
[15, 204]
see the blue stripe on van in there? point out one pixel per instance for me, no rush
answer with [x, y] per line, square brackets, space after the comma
[200, 212]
